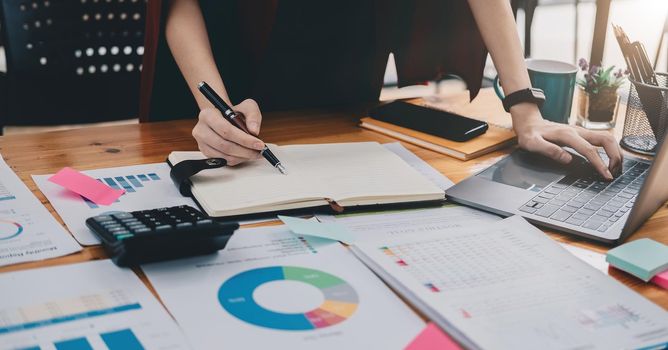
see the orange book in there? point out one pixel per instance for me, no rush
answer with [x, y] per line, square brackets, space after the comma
[495, 138]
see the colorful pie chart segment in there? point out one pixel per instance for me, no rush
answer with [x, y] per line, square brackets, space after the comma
[9, 229]
[340, 299]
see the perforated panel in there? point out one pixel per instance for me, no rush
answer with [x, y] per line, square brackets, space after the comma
[87, 54]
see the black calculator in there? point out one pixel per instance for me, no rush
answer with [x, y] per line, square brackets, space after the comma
[159, 234]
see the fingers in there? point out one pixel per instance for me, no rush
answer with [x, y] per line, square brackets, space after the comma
[213, 153]
[539, 145]
[212, 139]
[569, 137]
[251, 112]
[216, 137]
[609, 144]
[229, 132]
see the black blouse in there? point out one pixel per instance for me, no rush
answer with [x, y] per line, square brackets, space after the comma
[290, 54]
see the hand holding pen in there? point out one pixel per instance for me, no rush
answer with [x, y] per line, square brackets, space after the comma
[228, 135]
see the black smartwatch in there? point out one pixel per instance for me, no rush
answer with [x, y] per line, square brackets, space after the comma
[531, 95]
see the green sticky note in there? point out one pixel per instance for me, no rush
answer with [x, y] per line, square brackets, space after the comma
[642, 258]
[328, 230]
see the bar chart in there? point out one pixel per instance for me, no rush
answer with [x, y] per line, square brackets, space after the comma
[129, 183]
[93, 305]
[65, 311]
[124, 339]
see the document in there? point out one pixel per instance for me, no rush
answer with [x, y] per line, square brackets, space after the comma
[272, 289]
[392, 224]
[28, 232]
[92, 305]
[313, 227]
[146, 186]
[509, 286]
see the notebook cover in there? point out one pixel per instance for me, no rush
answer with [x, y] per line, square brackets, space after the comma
[495, 138]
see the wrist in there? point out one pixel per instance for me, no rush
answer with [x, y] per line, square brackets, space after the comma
[525, 114]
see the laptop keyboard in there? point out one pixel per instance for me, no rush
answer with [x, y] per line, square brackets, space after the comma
[587, 201]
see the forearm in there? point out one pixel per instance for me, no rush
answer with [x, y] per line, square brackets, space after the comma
[497, 26]
[188, 40]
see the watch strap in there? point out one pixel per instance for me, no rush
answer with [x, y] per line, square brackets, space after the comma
[531, 95]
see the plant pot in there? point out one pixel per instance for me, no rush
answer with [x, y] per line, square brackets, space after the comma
[597, 111]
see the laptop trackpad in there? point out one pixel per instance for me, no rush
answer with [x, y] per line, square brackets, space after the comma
[529, 171]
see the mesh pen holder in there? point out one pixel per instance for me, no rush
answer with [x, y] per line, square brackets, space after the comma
[646, 116]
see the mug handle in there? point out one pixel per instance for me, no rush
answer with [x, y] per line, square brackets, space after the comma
[497, 88]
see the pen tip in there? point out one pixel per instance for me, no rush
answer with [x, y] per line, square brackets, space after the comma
[200, 84]
[281, 168]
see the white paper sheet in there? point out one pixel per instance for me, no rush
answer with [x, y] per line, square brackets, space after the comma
[393, 224]
[509, 286]
[28, 232]
[147, 186]
[93, 303]
[596, 260]
[318, 294]
[420, 165]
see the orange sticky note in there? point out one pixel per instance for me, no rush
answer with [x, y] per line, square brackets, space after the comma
[661, 279]
[86, 186]
[432, 338]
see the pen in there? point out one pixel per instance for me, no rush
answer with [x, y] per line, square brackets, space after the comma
[237, 120]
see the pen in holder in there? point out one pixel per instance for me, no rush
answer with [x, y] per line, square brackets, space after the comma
[646, 115]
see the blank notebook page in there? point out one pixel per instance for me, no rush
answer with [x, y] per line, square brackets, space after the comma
[349, 173]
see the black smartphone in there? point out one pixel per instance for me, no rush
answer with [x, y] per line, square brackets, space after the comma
[429, 121]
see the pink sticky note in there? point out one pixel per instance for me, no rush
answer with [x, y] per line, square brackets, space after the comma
[432, 338]
[86, 186]
[661, 279]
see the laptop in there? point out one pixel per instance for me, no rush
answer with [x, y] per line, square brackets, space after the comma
[570, 198]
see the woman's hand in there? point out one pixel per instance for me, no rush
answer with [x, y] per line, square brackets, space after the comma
[216, 137]
[547, 138]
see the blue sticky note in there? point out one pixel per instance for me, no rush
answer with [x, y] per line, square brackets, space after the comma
[642, 258]
[328, 230]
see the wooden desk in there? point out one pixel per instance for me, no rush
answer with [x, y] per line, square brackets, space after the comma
[91, 148]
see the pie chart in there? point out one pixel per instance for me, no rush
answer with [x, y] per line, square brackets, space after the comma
[340, 299]
[9, 229]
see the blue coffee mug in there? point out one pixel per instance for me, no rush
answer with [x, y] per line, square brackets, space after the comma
[557, 80]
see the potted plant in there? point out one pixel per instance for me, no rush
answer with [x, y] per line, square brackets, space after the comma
[598, 100]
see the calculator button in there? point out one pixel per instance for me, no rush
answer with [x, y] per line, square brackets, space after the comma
[121, 233]
[163, 227]
[122, 215]
[102, 218]
[116, 229]
[108, 223]
[129, 220]
[141, 230]
[184, 224]
[205, 222]
[122, 237]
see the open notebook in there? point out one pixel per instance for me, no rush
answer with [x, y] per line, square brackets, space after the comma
[350, 174]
